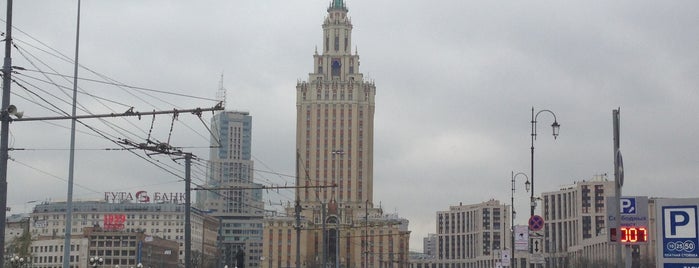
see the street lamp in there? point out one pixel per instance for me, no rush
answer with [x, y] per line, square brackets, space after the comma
[17, 261]
[556, 128]
[95, 261]
[527, 184]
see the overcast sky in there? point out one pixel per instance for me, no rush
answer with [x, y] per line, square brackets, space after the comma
[456, 81]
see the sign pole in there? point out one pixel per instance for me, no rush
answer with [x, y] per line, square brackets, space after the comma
[618, 183]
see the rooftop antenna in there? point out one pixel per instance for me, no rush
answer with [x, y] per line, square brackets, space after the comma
[221, 94]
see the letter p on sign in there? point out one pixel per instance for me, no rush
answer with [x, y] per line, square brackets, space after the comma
[680, 222]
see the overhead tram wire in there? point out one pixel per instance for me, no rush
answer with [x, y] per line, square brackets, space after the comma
[257, 178]
[99, 132]
[51, 175]
[69, 60]
[118, 84]
[112, 81]
[79, 91]
[82, 186]
[82, 108]
[103, 134]
[32, 100]
[60, 111]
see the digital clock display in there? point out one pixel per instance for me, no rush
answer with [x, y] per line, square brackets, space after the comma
[633, 234]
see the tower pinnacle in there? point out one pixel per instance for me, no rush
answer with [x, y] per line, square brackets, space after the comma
[337, 4]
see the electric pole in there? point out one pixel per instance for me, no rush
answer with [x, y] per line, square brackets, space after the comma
[5, 126]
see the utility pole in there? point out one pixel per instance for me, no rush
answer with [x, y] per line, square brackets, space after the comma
[5, 126]
[366, 234]
[297, 216]
[168, 150]
[187, 210]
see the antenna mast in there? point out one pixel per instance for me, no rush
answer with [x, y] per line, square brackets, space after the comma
[221, 94]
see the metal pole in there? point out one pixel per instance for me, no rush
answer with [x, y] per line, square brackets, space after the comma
[532, 163]
[71, 165]
[5, 126]
[531, 199]
[366, 234]
[617, 187]
[512, 226]
[187, 211]
[325, 242]
[297, 211]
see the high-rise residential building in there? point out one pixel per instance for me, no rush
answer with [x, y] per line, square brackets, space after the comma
[575, 216]
[335, 145]
[233, 197]
[472, 235]
[576, 226]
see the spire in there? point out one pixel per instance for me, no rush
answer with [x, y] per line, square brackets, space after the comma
[337, 4]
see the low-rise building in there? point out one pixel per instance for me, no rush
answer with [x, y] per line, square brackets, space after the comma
[158, 220]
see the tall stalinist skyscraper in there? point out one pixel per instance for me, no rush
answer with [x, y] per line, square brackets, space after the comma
[335, 120]
[339, 224]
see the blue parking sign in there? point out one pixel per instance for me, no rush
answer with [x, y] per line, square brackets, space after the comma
[628, 205]
[680, 232]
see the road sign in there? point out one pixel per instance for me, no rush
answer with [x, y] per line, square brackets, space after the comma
[677, 233]
[521, 238]
[537, 258]
[505, 258]
[536, 223]
[628, 205]
[537, 245]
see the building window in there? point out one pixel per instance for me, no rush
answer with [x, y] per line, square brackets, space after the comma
[336, 67]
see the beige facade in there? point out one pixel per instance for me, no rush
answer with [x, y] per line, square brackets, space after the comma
[165, 220]
[335, 145]
[575, 220]
[472, 235]
[576, 228]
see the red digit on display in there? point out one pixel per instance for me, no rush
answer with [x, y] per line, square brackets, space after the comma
[634, 234]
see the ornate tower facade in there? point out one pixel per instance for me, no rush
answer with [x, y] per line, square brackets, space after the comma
[338, 225]
[335, 120]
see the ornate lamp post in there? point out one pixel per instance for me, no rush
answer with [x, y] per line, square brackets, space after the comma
[17, 261]
[527, 184]
[556, 128]
[96, 261]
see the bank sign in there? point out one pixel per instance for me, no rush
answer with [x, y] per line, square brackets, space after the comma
[677, 233]
[144, 197]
